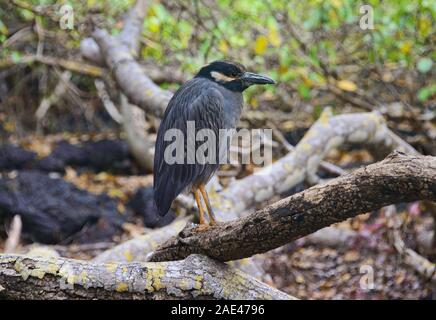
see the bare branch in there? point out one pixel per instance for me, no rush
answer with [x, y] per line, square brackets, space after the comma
[135, 127]
[14, 235]
[410, 257]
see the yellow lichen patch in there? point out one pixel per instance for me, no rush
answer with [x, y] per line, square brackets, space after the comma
[305, 146]
[288, 167]
[122, 287]
[198, 282]
[230, 287]
[67, 273]
[378, 119]
[184, 284]
[153, 244]
[22, 269]
[244, 261]
[51, 268]
[83, 277]
[71, 279]
[124, 270]
[149, 281]
[239, 277]
[324, 119]
[37, 273]
[9, 260]
[157, 275]
[128, 255]
[111, 267]
[311, 133]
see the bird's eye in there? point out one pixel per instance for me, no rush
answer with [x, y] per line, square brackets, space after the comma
[236, 74]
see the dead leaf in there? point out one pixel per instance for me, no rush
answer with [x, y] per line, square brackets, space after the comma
[347, 85]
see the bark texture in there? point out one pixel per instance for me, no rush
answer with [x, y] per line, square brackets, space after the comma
[398, 178]
[196, 277]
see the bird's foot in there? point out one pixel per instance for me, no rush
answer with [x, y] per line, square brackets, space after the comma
[202, 227]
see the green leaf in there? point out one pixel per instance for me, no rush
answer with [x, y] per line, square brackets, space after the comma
[426, 92]
[3, 29]
[424, 65]
[16, 56]
[304, 91]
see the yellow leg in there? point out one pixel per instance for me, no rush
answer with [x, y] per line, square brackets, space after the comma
[199, 205]
[209, 207]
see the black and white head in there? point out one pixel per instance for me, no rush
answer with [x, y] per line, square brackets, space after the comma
[232, 75]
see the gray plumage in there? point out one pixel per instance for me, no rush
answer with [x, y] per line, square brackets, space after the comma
[211, 106]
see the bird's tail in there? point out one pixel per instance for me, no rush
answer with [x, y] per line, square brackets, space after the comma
[164, 198]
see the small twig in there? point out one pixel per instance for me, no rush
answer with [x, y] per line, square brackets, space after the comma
[420, 264]
[57, 94]
[107, 102]
[72, 65]
[14, 235]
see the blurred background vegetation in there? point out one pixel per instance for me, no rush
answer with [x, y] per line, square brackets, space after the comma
[314, 49]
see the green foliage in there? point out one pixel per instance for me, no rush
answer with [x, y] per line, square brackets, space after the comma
[249, 31]
[190, 33]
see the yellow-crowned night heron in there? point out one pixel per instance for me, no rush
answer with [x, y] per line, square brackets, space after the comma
[211, 100]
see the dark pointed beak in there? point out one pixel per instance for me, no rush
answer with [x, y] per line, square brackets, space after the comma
[254, 78]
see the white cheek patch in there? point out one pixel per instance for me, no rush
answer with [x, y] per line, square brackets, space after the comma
[218, 76]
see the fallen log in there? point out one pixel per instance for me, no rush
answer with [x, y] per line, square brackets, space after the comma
[196, 277]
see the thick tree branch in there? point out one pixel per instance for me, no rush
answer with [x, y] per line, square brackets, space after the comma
[398, 178]
[135, 127]
[196, 277]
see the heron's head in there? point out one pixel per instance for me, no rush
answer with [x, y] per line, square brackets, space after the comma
[232, 75]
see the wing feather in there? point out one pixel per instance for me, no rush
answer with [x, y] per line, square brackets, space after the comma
[206, 110]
